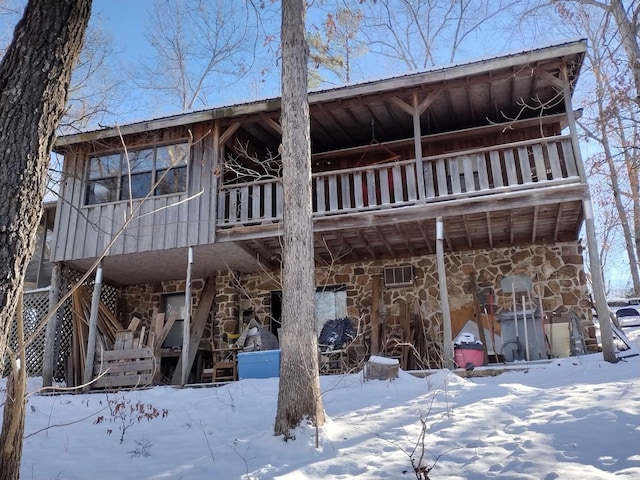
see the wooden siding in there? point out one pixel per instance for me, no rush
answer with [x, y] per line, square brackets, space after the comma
[85, 231]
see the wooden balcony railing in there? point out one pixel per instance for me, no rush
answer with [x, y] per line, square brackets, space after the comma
[482, 171]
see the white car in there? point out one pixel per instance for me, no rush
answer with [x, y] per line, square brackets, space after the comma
[628, 316]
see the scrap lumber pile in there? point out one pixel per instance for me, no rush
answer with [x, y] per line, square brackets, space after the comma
[124, 356]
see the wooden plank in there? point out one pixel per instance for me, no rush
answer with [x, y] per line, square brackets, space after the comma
[384, 187]
[222, 203]
[124, 340]
[345, 188]
[538, 158]
[161, 334]
[279, 200]
[454, 175]
[483, 174]
[510, 166]
[207, 204]
[138, 365]
[256, 197]
[114, 355]
[198, 324]
[371, 188]
[429, 183]
[554, 160]
[525, 166]
[233, 205]
[333, 193]
[158, 322]
[469, 168]
[124, 381]
[569, 158]
[141, 338]
[159, 219]
[358, 193]
[410, 175]
[268, 200]
[244, 203]
[171, 223]
[496, 169]
[321, 205]
[134, 324]
[398, 187]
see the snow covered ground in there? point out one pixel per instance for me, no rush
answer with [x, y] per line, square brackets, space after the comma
[574, 418]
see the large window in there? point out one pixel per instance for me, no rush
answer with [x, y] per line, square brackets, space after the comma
[111, 177]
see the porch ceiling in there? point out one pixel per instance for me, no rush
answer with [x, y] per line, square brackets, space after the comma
[164, 265]
[457, 98]
[401, 234]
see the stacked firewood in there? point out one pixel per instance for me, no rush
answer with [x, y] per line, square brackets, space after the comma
[111, 335]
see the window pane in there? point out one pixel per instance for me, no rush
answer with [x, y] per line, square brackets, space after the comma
[140, 161]
[101, 191]
[104, 166]
[140, 185]
[172, 155]
[173, 182]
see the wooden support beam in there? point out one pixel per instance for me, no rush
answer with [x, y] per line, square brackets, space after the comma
[467, 230]
[447, 347]
[534, 226]
[402, 233]
[385, 241]
[597, 282]
[93, 330]
[186, 335]
[490, 232]
[366, 244]
[556, 230]
[425, 237]
[226, 135]
[511, 229]
[199, 322]
[271, 123]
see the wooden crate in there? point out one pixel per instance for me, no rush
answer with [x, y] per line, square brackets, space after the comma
[133, 367]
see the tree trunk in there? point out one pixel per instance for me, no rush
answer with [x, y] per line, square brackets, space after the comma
[13, 416]
[628, 30]
[34, 78]
[299, 392]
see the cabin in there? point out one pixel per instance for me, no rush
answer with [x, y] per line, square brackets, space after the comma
[444, 202]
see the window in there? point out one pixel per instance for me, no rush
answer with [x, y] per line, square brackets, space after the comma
[398, 276]
[108, 178]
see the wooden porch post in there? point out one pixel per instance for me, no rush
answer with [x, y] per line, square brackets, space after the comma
[417, 140]
[93, 330]
[186, 333]
[597, 282]
[447, 340]
[50, 347]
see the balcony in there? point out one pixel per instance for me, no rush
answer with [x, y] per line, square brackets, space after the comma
[524, 192]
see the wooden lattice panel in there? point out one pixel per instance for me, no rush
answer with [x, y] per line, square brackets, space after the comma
[35, 308]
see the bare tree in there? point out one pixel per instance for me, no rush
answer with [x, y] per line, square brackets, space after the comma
[422, 33]
[618, 158]
[627, 22]
[299, 391]
[201, 47]
[34, 77]
[335, 43]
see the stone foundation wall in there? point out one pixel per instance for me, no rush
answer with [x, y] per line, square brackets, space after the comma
[557, 274]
